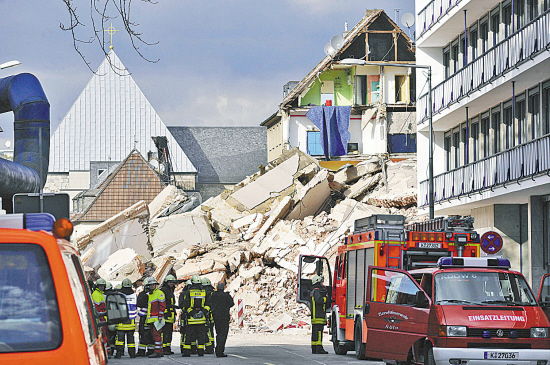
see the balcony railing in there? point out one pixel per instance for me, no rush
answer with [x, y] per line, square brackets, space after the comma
[511, 166]
[505, 56]
[432, 12]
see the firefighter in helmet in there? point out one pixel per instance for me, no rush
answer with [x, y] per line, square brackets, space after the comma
[125, 330]
[318, 305]
[155, 314]
[209, 344]
[98, 296]
[196, 305]
[169, 313]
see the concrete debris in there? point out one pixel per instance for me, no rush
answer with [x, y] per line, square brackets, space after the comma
[251, 235]
[124, 263]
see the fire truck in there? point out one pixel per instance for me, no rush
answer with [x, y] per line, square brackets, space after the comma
[402, 293]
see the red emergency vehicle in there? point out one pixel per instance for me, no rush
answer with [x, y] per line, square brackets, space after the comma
[475, 308]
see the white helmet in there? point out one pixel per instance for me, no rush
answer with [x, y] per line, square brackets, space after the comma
[317, 279]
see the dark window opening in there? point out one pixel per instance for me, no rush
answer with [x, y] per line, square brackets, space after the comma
[534, 114]
[521, 130]
[509, 128]
[495, 124]
[475, 141]
[447, 147]
[485, 136]
[495, 25]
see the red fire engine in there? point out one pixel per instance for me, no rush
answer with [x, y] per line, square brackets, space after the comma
[387, 303]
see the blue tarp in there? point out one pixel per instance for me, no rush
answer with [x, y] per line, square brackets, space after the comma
[337, 122]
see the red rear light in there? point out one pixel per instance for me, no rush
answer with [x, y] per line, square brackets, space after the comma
[424, 237]
[431, 237]
[416, 236]
[439, 237]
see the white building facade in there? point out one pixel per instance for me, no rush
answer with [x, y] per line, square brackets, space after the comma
[490, 64]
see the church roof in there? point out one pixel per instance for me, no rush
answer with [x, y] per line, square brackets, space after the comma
[109, 119]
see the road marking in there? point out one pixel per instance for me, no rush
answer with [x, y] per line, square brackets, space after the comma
[305, 357]
[268, 363]
[240, 357]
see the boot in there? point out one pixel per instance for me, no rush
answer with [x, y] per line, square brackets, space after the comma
[321, 350]
[140, 353]
[200, 352]
[167, 351]
[186, 353]
[155, 355]
[118, 355]
[313, 349]
[150, 352]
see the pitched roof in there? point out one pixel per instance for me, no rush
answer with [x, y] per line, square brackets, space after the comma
[223, 154]
[132, 181]
[327, 61]
[106, 120]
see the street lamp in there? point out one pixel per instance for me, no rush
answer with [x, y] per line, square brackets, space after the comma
[356, 62]
[9, 64]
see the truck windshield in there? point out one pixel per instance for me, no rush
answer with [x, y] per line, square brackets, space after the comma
[29, 314]
[482, 288]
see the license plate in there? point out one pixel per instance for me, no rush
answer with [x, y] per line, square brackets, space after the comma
[494, 355]
[428, 245]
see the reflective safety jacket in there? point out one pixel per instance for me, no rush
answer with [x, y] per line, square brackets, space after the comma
[196, 304]
[142, 300]
[319, 304]
[156, 306]
[170, 311]
[99, 301]
[131, 302]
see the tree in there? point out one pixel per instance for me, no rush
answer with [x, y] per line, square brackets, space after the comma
[97, 14]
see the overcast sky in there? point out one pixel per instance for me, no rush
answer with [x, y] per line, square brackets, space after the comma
[222, 62]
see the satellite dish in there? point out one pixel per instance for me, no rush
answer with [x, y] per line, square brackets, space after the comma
[154, 163]
[337, 42]
[407, 20]
[329, 50]
[7, 144]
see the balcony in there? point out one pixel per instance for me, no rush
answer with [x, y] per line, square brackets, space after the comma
[433, 12]
[507, 55]
[522, 162]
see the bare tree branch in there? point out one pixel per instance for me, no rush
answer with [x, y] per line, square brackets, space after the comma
[100, 13]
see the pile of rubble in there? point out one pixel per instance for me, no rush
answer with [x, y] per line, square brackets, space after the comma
[251, 235]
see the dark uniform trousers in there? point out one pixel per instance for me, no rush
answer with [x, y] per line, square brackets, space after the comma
[167, 335]
[127, 335]
[195, 332]
[317, 334]
[145, 336]
[222, 329]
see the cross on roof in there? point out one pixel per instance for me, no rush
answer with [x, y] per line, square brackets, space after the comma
[111, 30]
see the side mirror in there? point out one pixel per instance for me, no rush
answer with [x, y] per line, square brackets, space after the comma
[117, 309]
[545, 302]
[420, 300]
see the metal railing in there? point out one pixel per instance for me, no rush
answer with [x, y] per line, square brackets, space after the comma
[511, 166]
[431, 13]
[505, 56]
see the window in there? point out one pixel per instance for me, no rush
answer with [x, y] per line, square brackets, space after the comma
[454, 56]
[546, 109]
[484, 35]
[314, 146]
[495, 127]
[533, 9]
[519, 8]
[521, 123]
[534, 113]
[475, 141]
[392, 287]
[400, 88]
[361, 90]
[508, 127]
[464, 144]
[473, 43]
[100, 171]
[507, 20]
[463, 60]
[447, 146]
[29, 313]
[456, 148]
[447, 61]
[495, 25]
[485, 136]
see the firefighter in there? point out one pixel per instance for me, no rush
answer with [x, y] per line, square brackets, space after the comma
[155, 314]
[125, 330]
[221, 304]
[196, 305]
[98, 296]
[111, 329]
[209, 341]
[146, 345]
[169, 314]
[319, 303]
[183, 316]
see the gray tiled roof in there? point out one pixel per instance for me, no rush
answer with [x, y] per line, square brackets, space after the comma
[223, 154]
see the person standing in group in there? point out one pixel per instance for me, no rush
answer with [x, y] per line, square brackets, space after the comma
[209, 341]
[221, 304]
[319, 302]
[111, 329]
[125, 330]
[183, 314]
[196, 305]
[169, 313]
[98, 296]
[155, 314]
[146, 345]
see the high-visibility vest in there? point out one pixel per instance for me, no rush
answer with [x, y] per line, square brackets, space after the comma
[99, 301]
[170, 315]
[156, 306]
[195, 313]
[131, 301]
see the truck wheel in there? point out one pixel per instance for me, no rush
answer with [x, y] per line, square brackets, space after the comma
[338, 349]
[360, 347]
[429, 358]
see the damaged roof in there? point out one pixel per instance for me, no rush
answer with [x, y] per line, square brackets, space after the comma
[359, 29]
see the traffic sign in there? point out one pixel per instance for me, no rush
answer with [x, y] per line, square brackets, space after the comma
[57, 204]
[491, 242]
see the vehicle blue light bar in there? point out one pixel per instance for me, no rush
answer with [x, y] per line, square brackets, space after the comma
[30, 221]
[495, 262]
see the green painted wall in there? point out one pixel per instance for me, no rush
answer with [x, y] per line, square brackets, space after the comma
[343, 92]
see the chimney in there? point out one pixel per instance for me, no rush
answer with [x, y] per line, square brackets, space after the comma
[346, 32]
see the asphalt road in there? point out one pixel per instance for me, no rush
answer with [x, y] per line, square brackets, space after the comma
[257, 348]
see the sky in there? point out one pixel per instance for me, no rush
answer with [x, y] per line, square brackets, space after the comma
[221, 62]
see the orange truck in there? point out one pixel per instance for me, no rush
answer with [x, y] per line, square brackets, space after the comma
[46, 311]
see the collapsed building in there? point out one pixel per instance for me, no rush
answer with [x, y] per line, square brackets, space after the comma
[250, 236]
